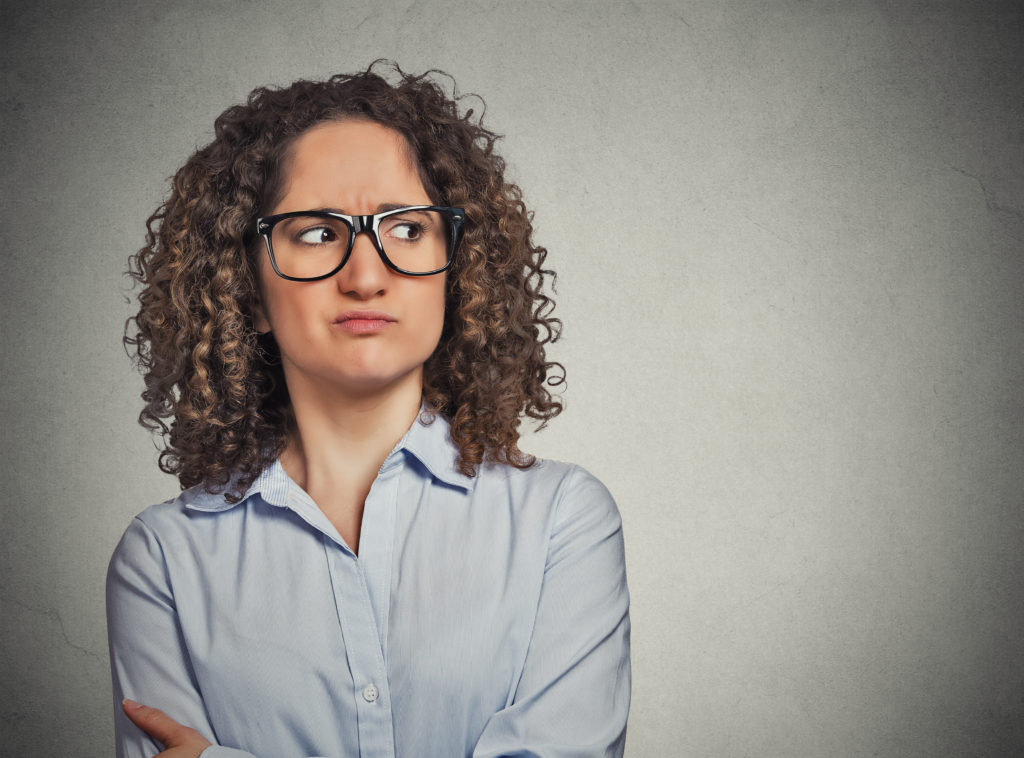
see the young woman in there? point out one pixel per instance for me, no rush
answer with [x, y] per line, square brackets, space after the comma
[341, 325]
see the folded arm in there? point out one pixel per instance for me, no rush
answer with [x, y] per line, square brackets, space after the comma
[149, 660]
[572, 698]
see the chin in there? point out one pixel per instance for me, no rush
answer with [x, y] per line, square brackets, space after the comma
[375, 381]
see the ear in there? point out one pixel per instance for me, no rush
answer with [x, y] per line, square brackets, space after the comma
[259, 319]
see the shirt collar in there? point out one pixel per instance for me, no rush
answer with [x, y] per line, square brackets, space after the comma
[429, 443]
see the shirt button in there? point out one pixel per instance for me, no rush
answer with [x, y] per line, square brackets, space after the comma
[370, 693]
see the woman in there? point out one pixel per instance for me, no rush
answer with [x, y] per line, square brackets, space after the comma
[343, 321]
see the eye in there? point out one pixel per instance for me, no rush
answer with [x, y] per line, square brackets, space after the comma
[406, 230]
[317, 235]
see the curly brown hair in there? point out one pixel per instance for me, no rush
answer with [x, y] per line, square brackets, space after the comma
[219, 382]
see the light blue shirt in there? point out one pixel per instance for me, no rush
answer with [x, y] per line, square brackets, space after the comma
[484, 616]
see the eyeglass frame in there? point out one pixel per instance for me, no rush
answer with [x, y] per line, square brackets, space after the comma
[357, 225]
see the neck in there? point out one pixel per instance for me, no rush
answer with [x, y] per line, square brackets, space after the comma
[342, 437]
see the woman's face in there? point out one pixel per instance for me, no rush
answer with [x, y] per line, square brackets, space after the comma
[367, 328]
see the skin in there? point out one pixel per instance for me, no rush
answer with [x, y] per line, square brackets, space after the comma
[354, 395]
[179, 741]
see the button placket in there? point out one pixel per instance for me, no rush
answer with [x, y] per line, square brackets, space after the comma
[375, 723]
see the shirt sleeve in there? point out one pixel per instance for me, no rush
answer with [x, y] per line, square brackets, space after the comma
[148, 658]
[572, 699]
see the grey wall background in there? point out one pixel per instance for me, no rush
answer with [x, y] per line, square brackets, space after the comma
[790, 246]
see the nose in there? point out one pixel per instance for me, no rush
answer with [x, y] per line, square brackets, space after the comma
[364, 274]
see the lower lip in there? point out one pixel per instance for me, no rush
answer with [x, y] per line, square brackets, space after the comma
[362, 325]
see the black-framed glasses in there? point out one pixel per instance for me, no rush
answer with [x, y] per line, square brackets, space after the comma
[418, 240]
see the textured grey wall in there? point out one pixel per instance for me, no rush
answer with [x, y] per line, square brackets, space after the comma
[791, 252]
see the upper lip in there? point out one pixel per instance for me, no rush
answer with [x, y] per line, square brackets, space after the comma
[363, 316]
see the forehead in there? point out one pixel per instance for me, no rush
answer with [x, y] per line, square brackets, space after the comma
[348, 162]
[351, 135]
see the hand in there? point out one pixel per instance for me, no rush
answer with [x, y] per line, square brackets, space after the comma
[180, 741]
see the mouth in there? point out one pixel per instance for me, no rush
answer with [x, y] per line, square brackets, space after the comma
[364, 322]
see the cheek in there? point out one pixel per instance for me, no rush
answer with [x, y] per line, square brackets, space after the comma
[285, 305]
[425, 309]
